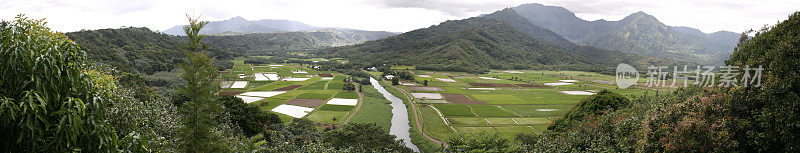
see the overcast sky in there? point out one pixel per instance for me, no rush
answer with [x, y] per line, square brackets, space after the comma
[386, 15]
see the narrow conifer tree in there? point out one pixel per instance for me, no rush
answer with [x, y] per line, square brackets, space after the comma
[201, 110]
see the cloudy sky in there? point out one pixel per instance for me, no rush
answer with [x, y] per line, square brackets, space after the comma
[386, 15]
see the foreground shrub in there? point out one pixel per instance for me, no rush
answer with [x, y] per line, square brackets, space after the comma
[52, 101]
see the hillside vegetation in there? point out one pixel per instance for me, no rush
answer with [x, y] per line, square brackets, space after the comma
[638, 33]
[141, 50]
[502, 40]
[697, 119]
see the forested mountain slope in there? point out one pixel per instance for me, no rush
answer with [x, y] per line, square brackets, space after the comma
[239, 24]
[501, 40]
[141, 50]
[638, 33]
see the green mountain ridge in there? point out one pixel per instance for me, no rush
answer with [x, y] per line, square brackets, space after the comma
[141, 50]
[501, 40]
[638, 33]
[239, 24]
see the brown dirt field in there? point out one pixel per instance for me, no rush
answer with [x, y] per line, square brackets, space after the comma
[313, 103]
[229, 93]
[481, 84]
[426, 88]
[531, 85]
[503, 85]
[460, 99]
[325, 74]
[287, 88]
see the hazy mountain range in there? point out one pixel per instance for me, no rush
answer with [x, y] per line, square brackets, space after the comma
[501, 40]
[529, 36]
[639, 33]
[241, 25]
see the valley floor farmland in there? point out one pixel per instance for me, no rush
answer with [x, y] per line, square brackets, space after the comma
[292, 91]
[506, 102]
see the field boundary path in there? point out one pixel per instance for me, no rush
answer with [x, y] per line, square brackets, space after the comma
[416, 117]
[604, 87]
[360, 101]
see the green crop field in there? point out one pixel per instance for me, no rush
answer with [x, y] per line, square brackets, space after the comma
[507, 132]
[348, 95]
[319, 85]
[539, 128]
[374, 109]
[533, 120]
[335, 85]
[500, 121]
[273, 86]
[538, 110]
[497, 98]
[505, 109]
[490, 110]
[314, 96]
[434, 124]
[323, 116]
[467, 120]
[455, 110]
[509, 108]
[336, 107]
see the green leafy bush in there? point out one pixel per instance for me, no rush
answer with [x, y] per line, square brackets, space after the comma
[52, 100]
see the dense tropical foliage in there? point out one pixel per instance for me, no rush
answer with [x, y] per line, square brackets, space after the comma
[52, 99]
[55, 100]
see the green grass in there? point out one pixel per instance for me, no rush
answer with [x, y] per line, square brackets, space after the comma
[321, 116]
[284, 118]
[540, 128]
[497, 98]
[269, 103]
[255, 84]
[273, 86]
[335, 85]
[319, 85]
[348, 95]
[507, 132]
[533, 120]
[337, 107]
[374, 109]
[498, 121]
[510, 131]
[403, 67]
[467, 120]
[314, 96]
[431, 101]
[531, 110]
[434, 124]
[490, 110]
[455, 110]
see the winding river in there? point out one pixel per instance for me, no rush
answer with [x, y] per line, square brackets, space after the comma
[400, 123]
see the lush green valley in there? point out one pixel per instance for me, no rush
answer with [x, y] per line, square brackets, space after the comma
[531, 78]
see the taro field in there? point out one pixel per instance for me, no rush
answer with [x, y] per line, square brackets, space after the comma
[506, 102]
[291, 91]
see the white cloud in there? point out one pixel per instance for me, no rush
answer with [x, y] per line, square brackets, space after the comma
[385, 15]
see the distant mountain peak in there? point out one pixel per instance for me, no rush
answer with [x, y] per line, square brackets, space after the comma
[639, 33]
[237, 18]
[640, 16]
